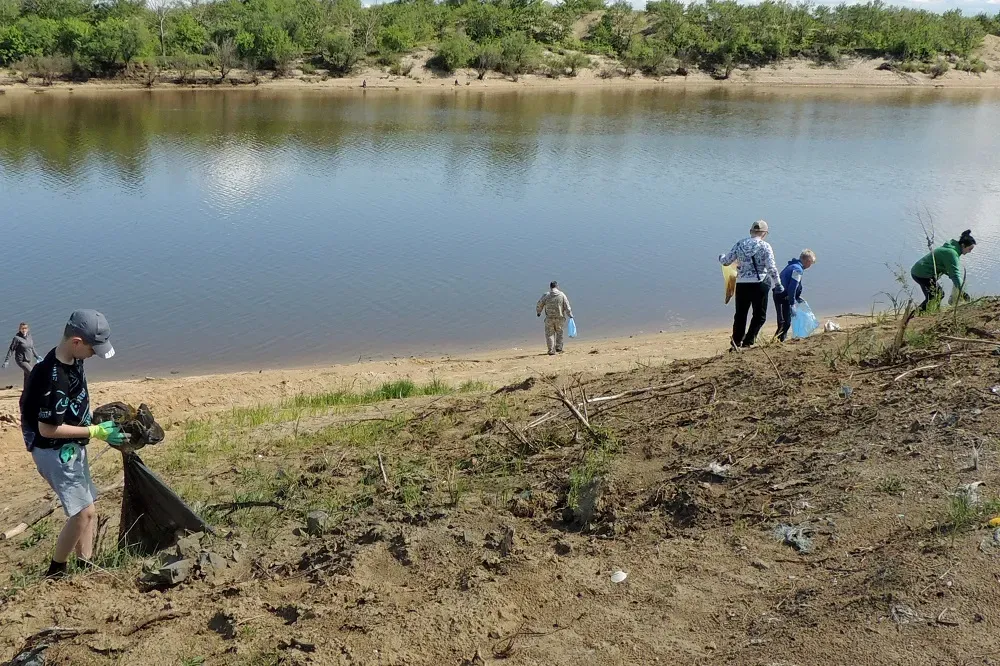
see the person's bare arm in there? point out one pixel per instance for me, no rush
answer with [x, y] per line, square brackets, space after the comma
[63, 431]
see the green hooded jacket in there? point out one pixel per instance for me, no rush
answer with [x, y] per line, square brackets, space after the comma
[946, 259]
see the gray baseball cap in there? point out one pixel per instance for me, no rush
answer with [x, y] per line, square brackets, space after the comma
[91, 327]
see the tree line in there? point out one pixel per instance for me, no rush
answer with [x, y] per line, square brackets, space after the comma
[106, 38]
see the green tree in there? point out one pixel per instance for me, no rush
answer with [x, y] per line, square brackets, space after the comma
[519, 54]
[73, 36]
[342, 54]
[12, 45]
[454, 52]
[573, 62]
[395, 39]
[185, 34]
[40, 34]
[486, 56]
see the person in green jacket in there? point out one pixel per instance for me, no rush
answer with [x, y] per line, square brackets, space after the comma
[945, 260]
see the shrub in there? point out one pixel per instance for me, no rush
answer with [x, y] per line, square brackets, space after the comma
[455, 52]
[399, 68]
[308, 68]
[826, 54]
[519, 55]
[224, 57]
[973, 66]
[73, 36]
[12, 45]
[910, 67]
[185, 65]
[938, 69]
[341, 53]
[395, 39]
[575, 61]
[487, 56]
[50, 68]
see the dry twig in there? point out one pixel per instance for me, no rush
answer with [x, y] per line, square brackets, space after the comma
[153, 619]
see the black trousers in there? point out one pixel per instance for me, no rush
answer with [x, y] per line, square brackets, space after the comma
[26, 369]
[783, 311]
[932, 290]
[749, 295]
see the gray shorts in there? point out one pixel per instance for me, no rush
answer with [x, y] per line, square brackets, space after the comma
[71, 479]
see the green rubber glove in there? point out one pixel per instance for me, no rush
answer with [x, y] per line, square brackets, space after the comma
[107, 432]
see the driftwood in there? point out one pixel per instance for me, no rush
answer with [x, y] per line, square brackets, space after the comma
[518, 435]
[45, 511]
[641, 391]
[540, 420]
[381, 466]
[897, 342]
[781, 380]
[992, 343]
[29, 520]
[910, 372]
[35, 645]
[153, 619]
[576, 413]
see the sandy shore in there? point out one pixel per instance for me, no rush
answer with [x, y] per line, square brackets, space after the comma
[851, 73]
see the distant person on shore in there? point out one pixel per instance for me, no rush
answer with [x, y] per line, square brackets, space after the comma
[55, 424]
[945, 260]
[22, 348]
[557, 310]
[756, 274]
[791, 281]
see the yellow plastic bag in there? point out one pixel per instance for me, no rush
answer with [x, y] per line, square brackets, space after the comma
[995, 522]
[729, 275]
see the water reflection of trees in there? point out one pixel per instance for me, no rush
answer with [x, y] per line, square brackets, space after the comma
[497, 138]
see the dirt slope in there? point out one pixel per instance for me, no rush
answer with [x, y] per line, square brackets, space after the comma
[457, 534]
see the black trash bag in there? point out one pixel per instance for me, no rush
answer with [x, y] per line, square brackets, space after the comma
[138, 425]
[153, 516]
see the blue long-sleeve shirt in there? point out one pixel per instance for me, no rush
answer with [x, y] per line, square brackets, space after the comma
[791, 280]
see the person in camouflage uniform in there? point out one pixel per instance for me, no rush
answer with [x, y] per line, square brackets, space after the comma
[557, 310]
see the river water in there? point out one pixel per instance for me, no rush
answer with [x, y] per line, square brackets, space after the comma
[249, 229]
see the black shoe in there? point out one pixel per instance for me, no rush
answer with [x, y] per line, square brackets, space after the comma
[57, 570]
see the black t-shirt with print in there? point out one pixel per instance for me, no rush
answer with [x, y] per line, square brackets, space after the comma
[56, 394]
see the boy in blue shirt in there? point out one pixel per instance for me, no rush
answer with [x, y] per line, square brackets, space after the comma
[791, 280]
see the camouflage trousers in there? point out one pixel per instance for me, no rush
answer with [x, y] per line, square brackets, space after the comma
[554, 327]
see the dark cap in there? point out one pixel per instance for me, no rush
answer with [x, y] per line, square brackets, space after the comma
[91, 327]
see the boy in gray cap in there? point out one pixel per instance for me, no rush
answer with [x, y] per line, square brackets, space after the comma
[55, 423]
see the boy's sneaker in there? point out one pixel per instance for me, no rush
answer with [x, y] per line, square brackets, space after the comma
[57, 570]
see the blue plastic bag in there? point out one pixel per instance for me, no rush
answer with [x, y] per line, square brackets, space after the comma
[804, 322]
[571, 328]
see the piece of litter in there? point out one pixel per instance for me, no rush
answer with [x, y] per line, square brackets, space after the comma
[995, 521]
[969, 492]
[901, 614]
[796, 536]
[721, 471]
[846, 392]
[995, 389]
[831, 326]
[618, 576]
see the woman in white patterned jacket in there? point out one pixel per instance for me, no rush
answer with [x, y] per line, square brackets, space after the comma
[756, 274]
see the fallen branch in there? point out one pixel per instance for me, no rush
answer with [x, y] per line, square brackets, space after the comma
[29, 520]
[900, 338]
[576, 413]
[381, 466]
[236, 506]
[652, 396]
[518, 435]
[539, 421]
[992, 343]
[910, 372]
[153, 619]
[781, 381]
[648, 389]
